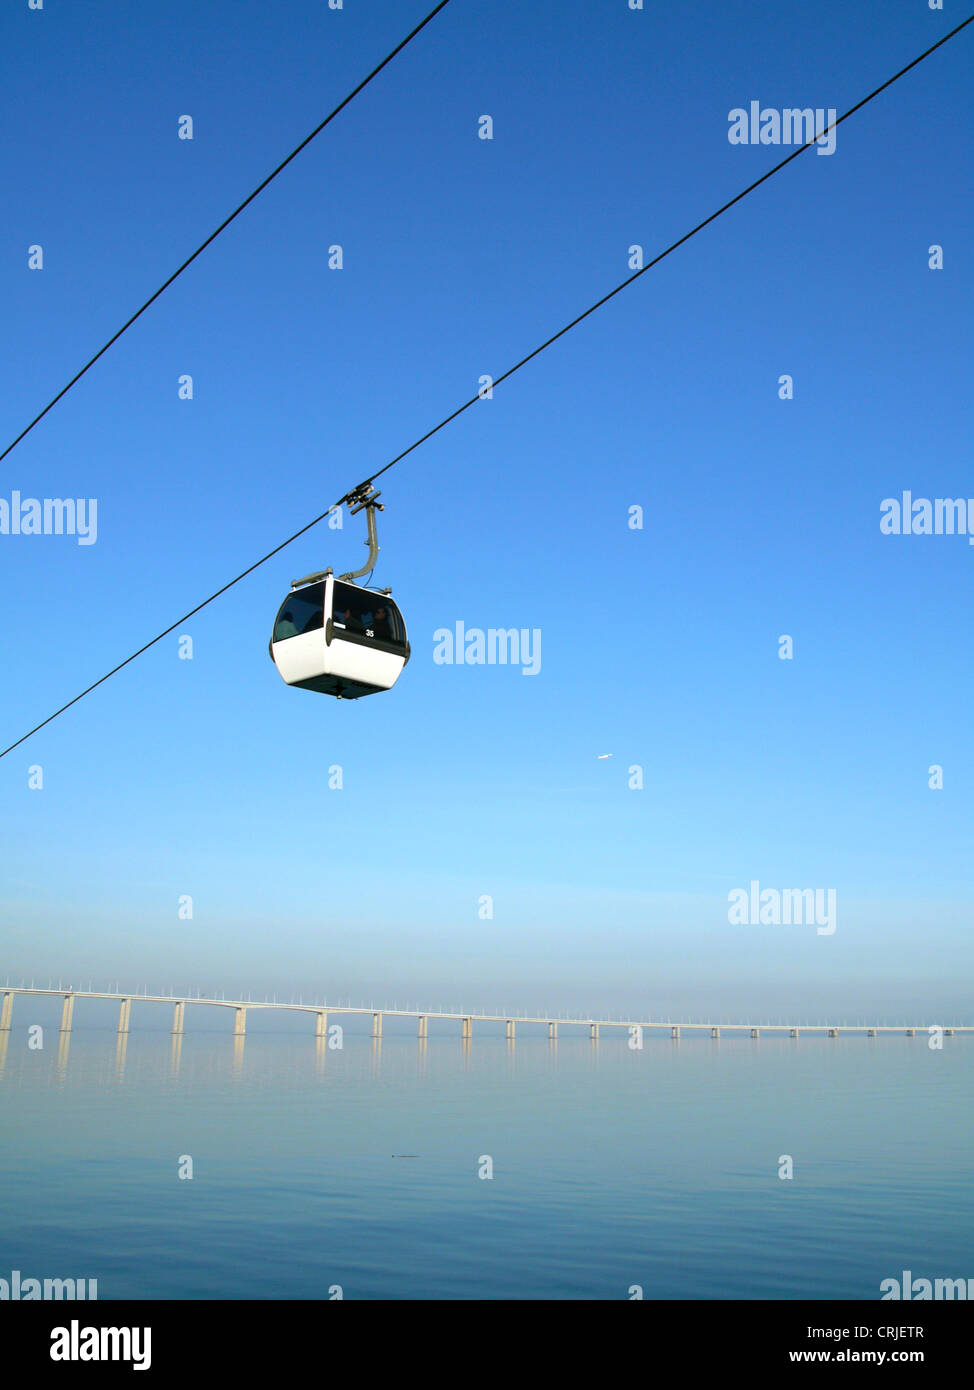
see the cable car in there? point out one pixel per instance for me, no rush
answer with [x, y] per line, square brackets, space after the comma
[340, 638]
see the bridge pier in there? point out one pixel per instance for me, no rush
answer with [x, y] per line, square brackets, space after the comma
[552, 1030]
[870, 1032]
[675, 1030]
[239, 1022]
[948, 1032]
[466, 1029]
[793, 1032]
[911, 1032]
[6, 1009]
[67, 1013]
[833, 1032]
[177, 1018]
[509, 1030]
[377, 1025]
[423, 1026]
[755, 1032]
[715, 1032]
[124, 1013]
[593, 1031]
[321, 1024]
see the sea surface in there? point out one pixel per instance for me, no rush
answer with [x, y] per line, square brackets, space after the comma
[364, 1169]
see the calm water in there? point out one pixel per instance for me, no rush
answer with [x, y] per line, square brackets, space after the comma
[611, 1167]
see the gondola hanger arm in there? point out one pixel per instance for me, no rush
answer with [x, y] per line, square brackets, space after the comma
[365, 497]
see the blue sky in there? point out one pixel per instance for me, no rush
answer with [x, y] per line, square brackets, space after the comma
[660, 646]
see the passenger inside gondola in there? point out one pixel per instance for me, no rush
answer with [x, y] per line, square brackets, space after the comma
[302, 612]
[285, 627]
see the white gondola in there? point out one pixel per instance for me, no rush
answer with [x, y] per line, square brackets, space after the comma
[336, 637]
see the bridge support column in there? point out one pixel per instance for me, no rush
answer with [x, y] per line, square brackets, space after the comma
[948, 1032]
[675, 1031]
[509, 1030]
[6, 1009]
[239, 1022]
[552, 1030]
[377, 1025]
[755, 1032]
[177, 1018]
[593, 1031]
[793, 1032]
[466, 1029]
[67, 1013]
[321, 1024]
[715, 1032]
[870, 1032]
[423, 1028]
[911, 1032]
[833, 1032]
[124, 1013]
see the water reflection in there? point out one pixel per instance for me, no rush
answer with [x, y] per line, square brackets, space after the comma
[63, 1048]
[588, 1197]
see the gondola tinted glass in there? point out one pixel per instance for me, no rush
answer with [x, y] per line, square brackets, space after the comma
[301, 612]
[362, 613]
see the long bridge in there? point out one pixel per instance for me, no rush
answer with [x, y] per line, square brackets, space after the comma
[321, 1010]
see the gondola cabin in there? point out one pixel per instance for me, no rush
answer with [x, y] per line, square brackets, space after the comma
[339, 639]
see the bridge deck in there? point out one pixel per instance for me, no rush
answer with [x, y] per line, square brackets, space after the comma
[8, 991]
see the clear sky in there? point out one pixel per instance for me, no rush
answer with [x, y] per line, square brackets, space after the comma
[210, 778]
